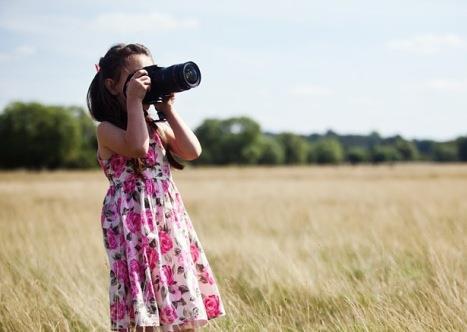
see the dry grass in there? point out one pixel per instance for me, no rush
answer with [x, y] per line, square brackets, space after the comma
[293, 249]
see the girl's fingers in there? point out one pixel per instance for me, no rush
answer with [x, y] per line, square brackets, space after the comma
[141, 72]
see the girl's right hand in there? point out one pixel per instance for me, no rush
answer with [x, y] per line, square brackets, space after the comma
[137, 86]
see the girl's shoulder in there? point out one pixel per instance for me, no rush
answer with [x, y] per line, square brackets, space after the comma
[103, 152]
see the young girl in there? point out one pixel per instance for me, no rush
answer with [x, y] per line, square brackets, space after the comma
[160, 277]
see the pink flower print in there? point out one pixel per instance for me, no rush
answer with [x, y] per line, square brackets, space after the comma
[129, 184]
[132, 313]
[166, 169]
[149, 187]
[120, 270]
[117, 310]
[133, 221]
[211, 303]
[118, 165]
[194, 252]
[111, 190]
[144, 242]
[150, 219]
[165, 241]
[168, 314]
[119, 204]
[168, 274]
[121, 238]
[206, 277]
[151, 157]
[111, 239]
[135, 267]
[134, 286]
[175, 292]
[181, 259]
[149, 292]
[153, 257]
[165, 186]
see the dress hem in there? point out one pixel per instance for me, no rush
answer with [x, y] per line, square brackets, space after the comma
[188, 324]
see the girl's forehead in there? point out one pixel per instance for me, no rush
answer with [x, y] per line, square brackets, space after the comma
[138, 61]
[135, 62]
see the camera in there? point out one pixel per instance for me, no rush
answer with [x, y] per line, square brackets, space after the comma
[166, 80]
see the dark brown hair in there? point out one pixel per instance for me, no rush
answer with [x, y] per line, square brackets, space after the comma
[104, 106]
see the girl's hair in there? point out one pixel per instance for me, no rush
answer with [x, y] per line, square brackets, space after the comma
[104, 106]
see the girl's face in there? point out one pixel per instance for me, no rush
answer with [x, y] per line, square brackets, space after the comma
[134, 62]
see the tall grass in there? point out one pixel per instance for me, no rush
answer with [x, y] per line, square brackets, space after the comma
[292, 248]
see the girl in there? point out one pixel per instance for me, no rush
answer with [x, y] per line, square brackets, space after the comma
[160, 277]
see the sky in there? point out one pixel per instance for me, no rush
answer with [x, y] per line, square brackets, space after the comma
[391, 66]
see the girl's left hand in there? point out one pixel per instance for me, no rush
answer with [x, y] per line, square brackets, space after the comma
[167, 103]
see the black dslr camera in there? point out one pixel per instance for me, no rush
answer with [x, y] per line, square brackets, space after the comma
[166, 80]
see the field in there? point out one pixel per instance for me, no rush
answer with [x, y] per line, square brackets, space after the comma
[292, 248]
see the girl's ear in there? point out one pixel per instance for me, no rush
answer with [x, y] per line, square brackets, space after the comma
[110, 85]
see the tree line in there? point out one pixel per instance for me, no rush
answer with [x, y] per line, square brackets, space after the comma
[37, 136]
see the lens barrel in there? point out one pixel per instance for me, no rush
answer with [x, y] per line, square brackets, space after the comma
[167, 80]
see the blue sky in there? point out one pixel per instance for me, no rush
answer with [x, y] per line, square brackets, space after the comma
[397, 67]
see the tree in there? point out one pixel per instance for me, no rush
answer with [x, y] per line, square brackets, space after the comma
[462, 148]
[296, 148]
[235, 140]
[328, 151]
[272, 152]
[86, 156]
[407, 150]
[445, 152]
[37, 136]
[384, 153]
[357, 155]
[240, 140]
[209, 134]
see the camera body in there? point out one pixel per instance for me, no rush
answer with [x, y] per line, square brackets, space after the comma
[167, 80]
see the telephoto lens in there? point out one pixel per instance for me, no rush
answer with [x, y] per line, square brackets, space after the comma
[167, 80]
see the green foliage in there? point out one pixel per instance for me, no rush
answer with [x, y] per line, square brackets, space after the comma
[209, 134]
[462, 148]
[357, 155]
[86, 156]
[327, 151]
[296, 148]
[445, 152]
[272, 152]
[384, 153]
[407, 150]
[37, 136]
[234, 140]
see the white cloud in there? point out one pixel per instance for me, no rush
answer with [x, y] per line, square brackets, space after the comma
[117, 22]
[20, 51]
[427, 44]
[124, 22]
[310, 90]
[446, 85]
[363, 101]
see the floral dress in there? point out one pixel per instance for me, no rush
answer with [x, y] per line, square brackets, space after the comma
[159, 273]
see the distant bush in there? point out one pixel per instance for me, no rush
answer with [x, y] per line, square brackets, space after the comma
[327, 151]
[38, 136]
[462, 148]
[272, 152]
[445, 152]
[357, 155]
[384, 153]
[296, 148]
